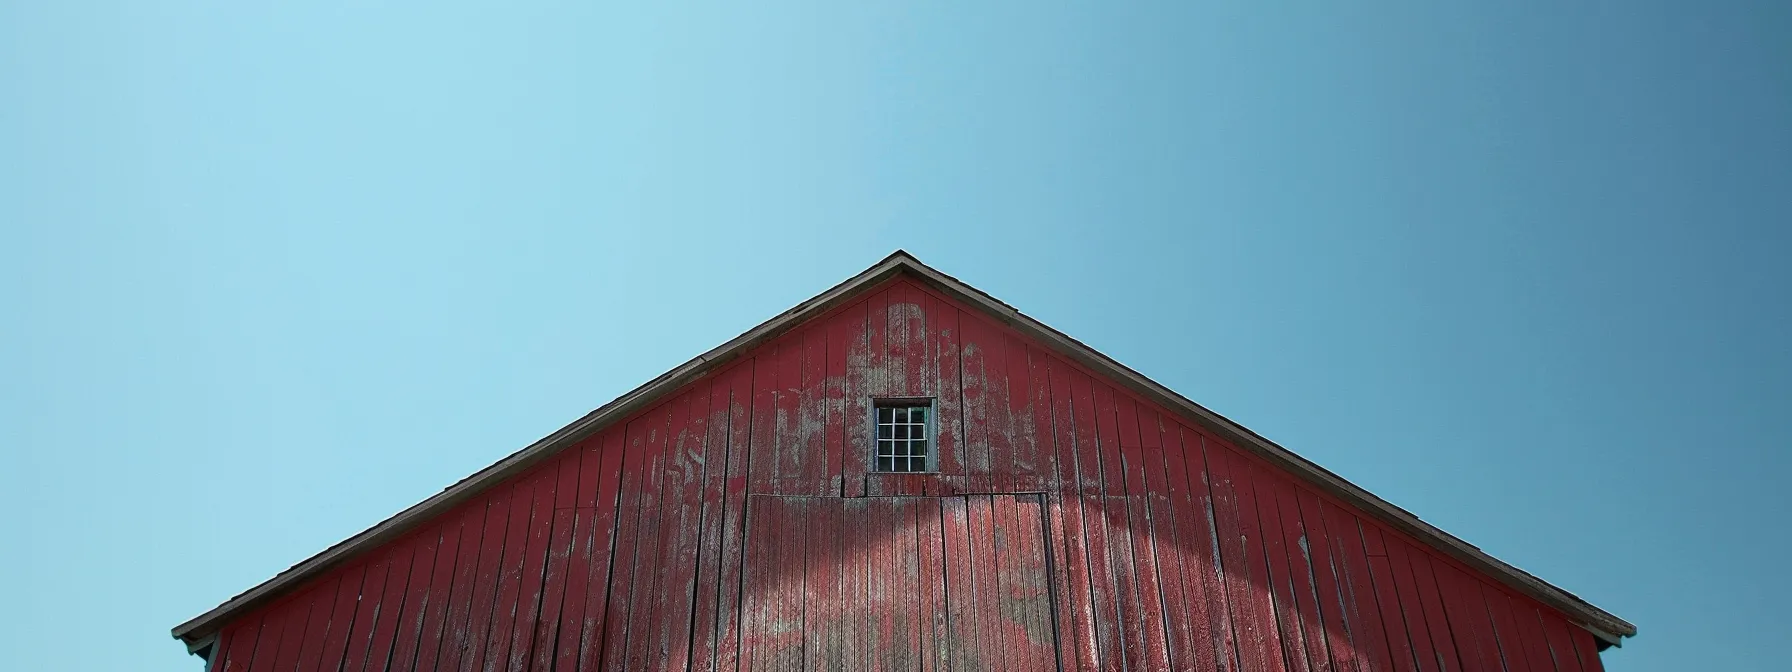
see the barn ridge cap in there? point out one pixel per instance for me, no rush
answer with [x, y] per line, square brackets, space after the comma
[1608, 628]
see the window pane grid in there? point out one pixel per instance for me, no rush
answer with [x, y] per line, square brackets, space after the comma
[902, 438]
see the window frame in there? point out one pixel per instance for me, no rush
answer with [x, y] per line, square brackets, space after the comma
[932, 461]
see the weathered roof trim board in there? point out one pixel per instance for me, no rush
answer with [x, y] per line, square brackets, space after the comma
[1604, 625]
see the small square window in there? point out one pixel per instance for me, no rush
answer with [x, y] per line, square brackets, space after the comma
[903, 437]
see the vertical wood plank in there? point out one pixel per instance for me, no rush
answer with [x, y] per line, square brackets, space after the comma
[1443, 641]
[646, 599]
[728, 613]
[518, 532]
[1009, 617]
[772, 634]
[292, 638]
[1412, 610]
[855, 642]
[755, 603]
[545, 635]
[236, 646]
[1132, 458]
[470, 634]
[908, 339]
[457, 617]
[1146, 596]
[987, 449]
[855, 452]
[1402, 641]
[786, 447]
[812, 416]
[840, 429]
[904, 571]
[849, 581]
[1076, 642]
[1205, 474]
[1185, 622]
[762, 471]
[1198, 551]
[1118, 542]
[1052, 383]
[1529, 631]
[877, 332]
[1081, 407]
[985, 585]
[1361, 604]
[391, 604]
[1231, 557]
[880, 595]
[441, 595]
[1152, 627]
[362, 625]
[609, 513]
[1023, 448]
[1107, 438]
[1050, 474]
[547, 640]
[1587, 651]
[532, 576]
[1297, 544]
[962, 628]
[1266, 488]
[821, 581]
[1472, 622]
[627, 542]
[944, 353]
[581, 565]
[1110, 635]
[1260, 647]
[790, 545]
[342, 614]
[1034, 576]
[712, 506]
[317, 623]
[1560, 637]
[267, 638]
[416, 600]
[1493, 634]
[681, 557]
[1330, 585]
[1077, 628]
[931, 551]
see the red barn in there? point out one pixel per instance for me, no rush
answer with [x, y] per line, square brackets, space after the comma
[903, 473]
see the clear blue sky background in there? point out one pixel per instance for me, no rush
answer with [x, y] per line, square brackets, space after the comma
[270, 274]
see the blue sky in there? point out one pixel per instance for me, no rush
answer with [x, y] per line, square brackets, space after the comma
[269, 274]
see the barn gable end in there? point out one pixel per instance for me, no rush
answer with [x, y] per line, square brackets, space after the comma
[1171, 537]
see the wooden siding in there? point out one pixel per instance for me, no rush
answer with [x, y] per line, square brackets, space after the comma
[897, 583]
[1169, 548]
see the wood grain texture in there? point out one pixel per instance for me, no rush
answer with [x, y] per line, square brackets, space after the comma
[1071, 523]
[267, 636]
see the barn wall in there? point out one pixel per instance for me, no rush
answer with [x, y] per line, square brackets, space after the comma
[1171, 548]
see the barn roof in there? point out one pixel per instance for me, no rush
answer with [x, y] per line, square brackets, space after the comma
[1604, 625]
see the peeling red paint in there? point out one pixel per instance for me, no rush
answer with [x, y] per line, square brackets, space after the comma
[1071, 525]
